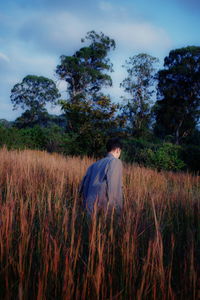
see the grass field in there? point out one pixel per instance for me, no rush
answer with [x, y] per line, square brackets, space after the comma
[50, 250]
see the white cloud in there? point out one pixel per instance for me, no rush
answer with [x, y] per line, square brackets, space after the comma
[55, 33]
[105, 6]
[61, 32]
[23, 61]
[112, 12]
[63, 27]
[138, 36]
[4, 57]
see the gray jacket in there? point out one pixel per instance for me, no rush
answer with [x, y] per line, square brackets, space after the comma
[103, 183]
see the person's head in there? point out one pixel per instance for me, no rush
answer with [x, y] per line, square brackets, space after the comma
[114, 146]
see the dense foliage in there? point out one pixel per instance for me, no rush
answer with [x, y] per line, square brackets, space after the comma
[154, 154]
[32, 94]
[86, 72]
[177, 109]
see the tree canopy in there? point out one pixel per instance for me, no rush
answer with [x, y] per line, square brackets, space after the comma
[90, 113]
[32, 94]
[86, 70]
[140, 85]
[177, 108]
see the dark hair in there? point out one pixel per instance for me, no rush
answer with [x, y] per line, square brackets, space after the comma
[113, 144]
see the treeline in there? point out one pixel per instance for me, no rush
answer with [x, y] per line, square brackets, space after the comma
[157, 119]
[153, 153]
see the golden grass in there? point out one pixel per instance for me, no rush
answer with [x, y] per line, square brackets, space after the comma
[50, 250]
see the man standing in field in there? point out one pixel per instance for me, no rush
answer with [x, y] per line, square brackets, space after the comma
[102, 183]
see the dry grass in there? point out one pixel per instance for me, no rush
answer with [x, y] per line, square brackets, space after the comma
[50, 250]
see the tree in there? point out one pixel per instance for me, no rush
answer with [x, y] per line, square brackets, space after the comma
[86, 71]
[31, 118]
[90, 114]
[90, 125]
[139, 85]
[33, 93]
[177, 108]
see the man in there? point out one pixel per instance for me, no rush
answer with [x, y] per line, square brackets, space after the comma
[102, 184]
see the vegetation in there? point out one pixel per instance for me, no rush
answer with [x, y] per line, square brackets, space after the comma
[164, 135]
[155, 154]
[90, 114]
[177, 109]
[33, 93]
[140, 85]
[50, 250]
[86, 70]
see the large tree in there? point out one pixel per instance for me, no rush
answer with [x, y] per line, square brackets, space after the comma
[86, 72]
[140, 86]
[177, 108]
[89, 112]
[32, 94]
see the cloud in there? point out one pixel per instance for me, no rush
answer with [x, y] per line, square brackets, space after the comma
[5, 70]
[50, 5]
[4, 63]
[61, 32]
[105, 6]
[55, 33]
[136, 36]
[22, 63]
[4, 57]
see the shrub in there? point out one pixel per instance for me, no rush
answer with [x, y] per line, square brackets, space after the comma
[165, 156]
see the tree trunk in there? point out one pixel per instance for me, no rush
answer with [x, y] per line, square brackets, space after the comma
[177, 134]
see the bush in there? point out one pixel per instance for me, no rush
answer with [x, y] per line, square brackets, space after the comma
[33, 138]
[54, 139]
[9, 137]
[13, 138]
[165, 156]
[134, 149]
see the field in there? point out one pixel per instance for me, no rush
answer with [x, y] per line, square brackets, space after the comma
[50, 250]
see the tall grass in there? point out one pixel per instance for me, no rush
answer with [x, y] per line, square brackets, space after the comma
[49, 249]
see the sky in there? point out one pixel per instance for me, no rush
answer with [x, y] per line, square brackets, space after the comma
[34, 34]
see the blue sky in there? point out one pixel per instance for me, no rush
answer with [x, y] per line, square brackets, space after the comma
[33, 35]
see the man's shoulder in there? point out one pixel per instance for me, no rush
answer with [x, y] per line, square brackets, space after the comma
[116, 161]
[101, 161]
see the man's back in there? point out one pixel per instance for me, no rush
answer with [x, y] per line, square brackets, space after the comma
[103, 183]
